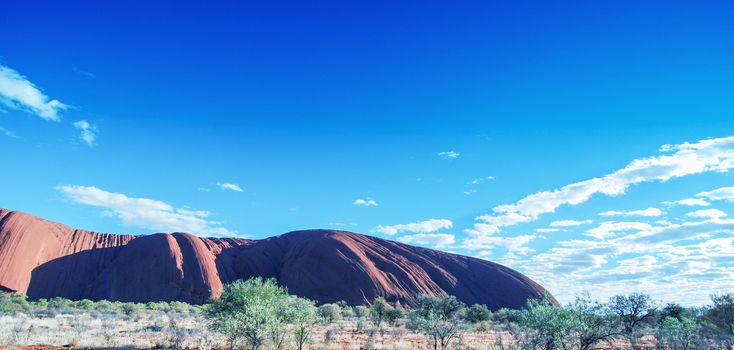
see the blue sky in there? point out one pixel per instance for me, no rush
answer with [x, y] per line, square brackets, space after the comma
[442, 125]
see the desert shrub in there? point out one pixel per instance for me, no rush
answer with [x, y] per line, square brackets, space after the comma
[12, 303]
[176, 334]
[303, 314]
[677, 334]
[179, 306]
[721, 313]
[674, 310]
[157, 306]
[130, 309]
[378, 311]
[439, 318]
[632, 312]
[347, 312]
[478, 313]
[330, 312]
[84, 304]
[247, 310]
[583, 324]
[591, 323]
[361, 311]
[41, 303]
[504, 316]
[331, 334]
[60, 304]
[393, 314]
[544, 326]
[104, 306]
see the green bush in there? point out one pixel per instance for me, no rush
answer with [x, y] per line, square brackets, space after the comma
[104, 306]
[158, 306]
[361, 311]
[504, 316]
[439, 318]
[677, 334]
[330, 312]
[478, 313]
[84, 304]
[543, 323]
[132, 308]
[178, 306]
[248, 310]
[303, 314]
[12, 303]
[393, 314]
[41, 303]
[721, 313]
[347, 312]
[378, 311]
[60, 303]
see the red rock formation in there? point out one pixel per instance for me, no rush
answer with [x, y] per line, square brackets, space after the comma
[46, 259]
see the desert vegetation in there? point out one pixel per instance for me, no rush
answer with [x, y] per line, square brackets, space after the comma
[260, 314]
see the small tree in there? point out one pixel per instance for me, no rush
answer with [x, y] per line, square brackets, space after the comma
[393, 314]
[721, 314]
[60, 303]
[378, 311]
[247, 310]
[478, 313]
[361, 311]
[677, 334]
[303, 314]
[504, 316]
[674, 310]
[347, 312]
[104, 306]
[330, 312]
[439, 318]
[592, 322]
[545, 326]
[84, 304]
[131, 308]
[632, 310]
[12, 303]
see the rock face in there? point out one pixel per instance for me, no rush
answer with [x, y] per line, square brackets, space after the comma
[46, 259]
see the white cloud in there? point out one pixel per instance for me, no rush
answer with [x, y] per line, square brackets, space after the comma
[448, 154]
[691, 202]
[88, 132]
[470, 192]
[436, 240]
[611, 228]
[516, 244]
[480, 180]
[427, 226]
[146, 213]
[547, 230]
[649, 212]
[224, 186]
[723, 193]
[567, 223]
[8, 133]
[665, 257]
[19, 93]
[707, 213]
[711, 155]
[365, 202]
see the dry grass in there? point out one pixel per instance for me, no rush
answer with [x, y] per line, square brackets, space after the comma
[174, 330]
[156, 329]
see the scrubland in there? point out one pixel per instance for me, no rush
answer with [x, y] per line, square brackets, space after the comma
[259, 314]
